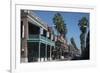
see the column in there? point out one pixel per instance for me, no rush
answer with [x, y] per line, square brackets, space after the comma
[25, 24]
[46, 52]
[50, 52]
[39, 51]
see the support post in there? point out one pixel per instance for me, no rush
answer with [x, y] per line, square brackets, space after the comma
[39, 51]
[24, 41]
[50, 53]
[46, 52]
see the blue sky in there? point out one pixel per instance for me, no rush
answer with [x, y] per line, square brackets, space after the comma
[70, 18]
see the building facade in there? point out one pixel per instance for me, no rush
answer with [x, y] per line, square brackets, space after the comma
[37, 41]
[40, 43]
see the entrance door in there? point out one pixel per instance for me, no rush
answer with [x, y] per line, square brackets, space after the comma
[32, 52]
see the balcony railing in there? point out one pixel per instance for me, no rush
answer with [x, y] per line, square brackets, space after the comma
[34, 37]
[41, 38]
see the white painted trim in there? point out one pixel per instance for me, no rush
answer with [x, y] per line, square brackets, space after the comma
[16, 66]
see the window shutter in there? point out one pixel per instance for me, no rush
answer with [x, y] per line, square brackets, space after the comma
[41, 30]
[47, 34]
[23, 31]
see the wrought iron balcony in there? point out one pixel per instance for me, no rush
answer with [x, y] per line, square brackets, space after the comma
[42, 39]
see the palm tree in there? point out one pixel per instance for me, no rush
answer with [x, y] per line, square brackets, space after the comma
[59, 24]
[61, 28]
[83, 25]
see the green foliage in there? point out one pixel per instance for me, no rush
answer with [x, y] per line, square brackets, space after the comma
[59, 24]
[83, 23]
